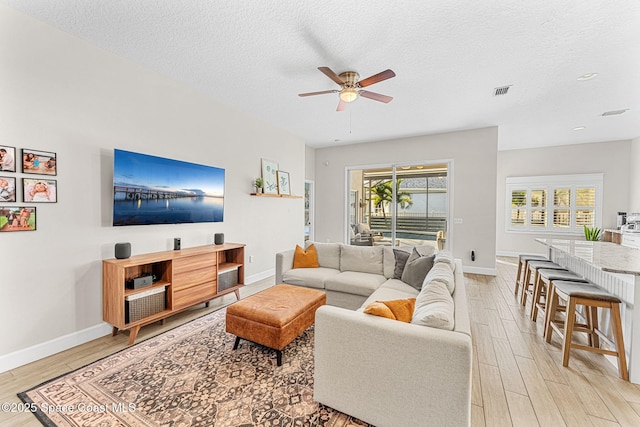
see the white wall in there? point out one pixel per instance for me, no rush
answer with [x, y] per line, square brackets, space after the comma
[611, 158]
[309, 163]
[634, 181]
[62, 95]
[474, 154]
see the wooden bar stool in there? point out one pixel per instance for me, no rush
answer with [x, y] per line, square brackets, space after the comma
[591, 297]
[523, 260]
[542, 292]
[532, 273]
[542, 287]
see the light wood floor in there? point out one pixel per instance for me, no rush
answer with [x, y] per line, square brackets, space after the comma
[26, 377]
[518, 379]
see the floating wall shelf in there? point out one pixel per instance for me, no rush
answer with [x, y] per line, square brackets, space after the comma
[284, 196]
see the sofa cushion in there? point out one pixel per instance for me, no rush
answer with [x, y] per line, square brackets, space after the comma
[434, 307]
[442, 272]
[446, 257]
[390, 290]
[309, 277]
[365, 259]
[399, 285]
[305, 258]
[416, 269]
[399, 309]
[364, 228]
[401, 261]
[389, 258]
[328, 254]
[353, 282]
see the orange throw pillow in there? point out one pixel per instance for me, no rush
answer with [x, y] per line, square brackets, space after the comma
[398, 309]
[305, 258]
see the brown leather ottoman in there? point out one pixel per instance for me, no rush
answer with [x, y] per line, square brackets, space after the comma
[275, 316]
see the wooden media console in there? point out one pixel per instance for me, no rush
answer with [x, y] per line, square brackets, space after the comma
[181, 279]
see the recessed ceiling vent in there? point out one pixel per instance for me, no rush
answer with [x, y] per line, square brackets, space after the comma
[501, 90]
[614, 112]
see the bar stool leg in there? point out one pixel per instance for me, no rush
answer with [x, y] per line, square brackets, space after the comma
[550, 315]
[568, 331]
[592, 322]
[519, 275]
[537, 294]
[525, 285]
[550, 309]
[618, 336]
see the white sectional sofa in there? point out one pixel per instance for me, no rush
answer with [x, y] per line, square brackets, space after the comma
[348, 274]
[383, 371]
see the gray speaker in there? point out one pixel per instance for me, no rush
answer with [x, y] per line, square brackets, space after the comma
[176, 244]
[218, 238]
[123, 250]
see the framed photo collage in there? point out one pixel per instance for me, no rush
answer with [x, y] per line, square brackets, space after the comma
[39, 188]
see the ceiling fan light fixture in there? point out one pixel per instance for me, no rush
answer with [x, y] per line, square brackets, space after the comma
[348, 94]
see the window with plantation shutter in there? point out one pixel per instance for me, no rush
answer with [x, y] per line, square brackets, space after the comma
[561, 204]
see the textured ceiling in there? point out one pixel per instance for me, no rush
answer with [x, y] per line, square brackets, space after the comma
[448, 56]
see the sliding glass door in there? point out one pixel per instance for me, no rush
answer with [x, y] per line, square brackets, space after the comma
[398, 205]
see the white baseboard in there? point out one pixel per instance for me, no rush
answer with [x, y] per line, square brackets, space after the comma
[56, 345]
[516, 254]
[257, 277]
[480, 270]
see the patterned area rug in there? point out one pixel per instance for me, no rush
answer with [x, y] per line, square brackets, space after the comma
[190, 376]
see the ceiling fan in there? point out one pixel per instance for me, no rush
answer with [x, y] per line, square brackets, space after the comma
[350, 85]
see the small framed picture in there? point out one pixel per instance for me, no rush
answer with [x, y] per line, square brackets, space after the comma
[19, 218]
[283, 183]
[269, 177]
[39, 162]
[39, 190]
[7, 189]
[7, 158]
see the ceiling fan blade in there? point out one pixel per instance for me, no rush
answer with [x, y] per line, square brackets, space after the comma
[341, 105]
[376, 96]
[383, 75]
[322, 92]
[333, 76]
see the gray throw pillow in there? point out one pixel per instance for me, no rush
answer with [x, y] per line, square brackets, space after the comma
[401, 260]
[416, 269]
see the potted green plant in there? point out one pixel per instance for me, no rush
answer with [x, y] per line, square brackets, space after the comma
[259, 185]
[592, 234]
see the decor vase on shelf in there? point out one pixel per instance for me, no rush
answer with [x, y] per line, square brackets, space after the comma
[259, 185]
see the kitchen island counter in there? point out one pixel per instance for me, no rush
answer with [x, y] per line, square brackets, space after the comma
[615, 268]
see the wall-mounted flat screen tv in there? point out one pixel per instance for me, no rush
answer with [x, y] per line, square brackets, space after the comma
[155, 190]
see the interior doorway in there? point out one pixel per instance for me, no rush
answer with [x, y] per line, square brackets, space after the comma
[308, 210]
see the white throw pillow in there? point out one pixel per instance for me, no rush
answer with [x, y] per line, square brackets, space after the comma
[364, 228]
[434, 307]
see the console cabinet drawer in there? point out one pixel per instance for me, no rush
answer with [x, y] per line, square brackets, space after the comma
[194, 294]
[194, 277]
[196, 262]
